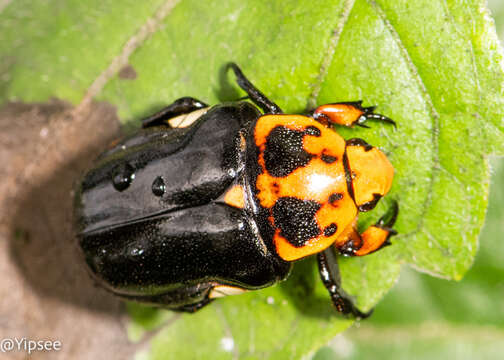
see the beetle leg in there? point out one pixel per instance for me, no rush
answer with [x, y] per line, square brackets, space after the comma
[194, 307]
[254, 93]
[215, 291]
[377, 236]
[348, 114]
[188, 299]
[330, 275]
[181, 106]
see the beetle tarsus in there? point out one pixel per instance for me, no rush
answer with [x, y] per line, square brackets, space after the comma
[388, 219]
[345, 306]
[254, 93]
[379, 117]
[180, 106]
[348, 114]
[329, 273]
[363, 126]
[369, 114]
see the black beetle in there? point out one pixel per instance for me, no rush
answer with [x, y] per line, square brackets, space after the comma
[209, 201]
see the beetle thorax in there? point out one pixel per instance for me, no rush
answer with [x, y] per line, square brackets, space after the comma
[302, 184]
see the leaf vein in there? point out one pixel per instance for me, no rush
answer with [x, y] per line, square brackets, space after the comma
[227, 330]
[430, 106]
[329, 53]
[430, 330]
[152, 24]
[4, 4]
[146, 339]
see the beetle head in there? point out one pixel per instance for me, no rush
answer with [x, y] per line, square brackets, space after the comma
[370, 171]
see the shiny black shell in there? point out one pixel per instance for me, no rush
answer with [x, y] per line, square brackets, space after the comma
[151, 221]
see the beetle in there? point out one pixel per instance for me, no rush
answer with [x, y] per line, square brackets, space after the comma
[207, 201]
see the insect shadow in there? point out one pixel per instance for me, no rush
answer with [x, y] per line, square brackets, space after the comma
[43, 245]
[44, 248]
[304, 289]
[227, 90]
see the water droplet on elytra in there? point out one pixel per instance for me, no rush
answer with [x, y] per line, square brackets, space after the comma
[123, 176]
[158, 186]
[137, 251]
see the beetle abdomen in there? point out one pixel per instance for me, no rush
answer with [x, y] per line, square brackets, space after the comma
[213, 242]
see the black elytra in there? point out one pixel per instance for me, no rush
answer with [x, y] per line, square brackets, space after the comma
[155, 226]
[191, 242]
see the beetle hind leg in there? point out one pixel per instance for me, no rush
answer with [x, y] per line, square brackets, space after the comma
[214, 291]
[348, 114]
[191, 308]
[329, 273]
[377, 236]
[179, 107]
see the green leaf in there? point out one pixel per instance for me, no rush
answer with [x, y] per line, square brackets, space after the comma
[57, 48]
[428, 318]
[435, 67]
[475, 300]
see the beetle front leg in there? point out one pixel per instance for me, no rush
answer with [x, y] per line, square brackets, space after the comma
[348, 114]
[377, 236]
[180, 106]
[329, 273]
[254, 93]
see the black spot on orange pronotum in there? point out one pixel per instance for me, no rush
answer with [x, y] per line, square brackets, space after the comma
[328, 158]
[359, 142]
[313, 131]
[348, 248]
[370, 205]
[335, 198]
[284, 151]
[330, 230]
[296, 219]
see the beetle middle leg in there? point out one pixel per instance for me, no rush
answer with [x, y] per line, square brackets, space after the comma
[350, 242]
[254, 93]
[348, 114]
[330, 275]
[193, 307]
[179, 107]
